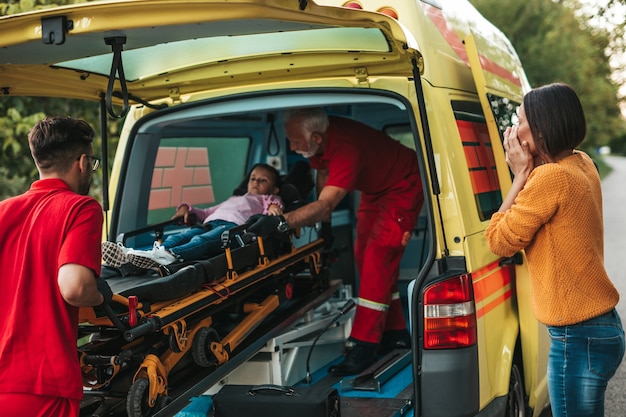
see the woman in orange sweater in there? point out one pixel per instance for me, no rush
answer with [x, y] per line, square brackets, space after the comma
[554, 212]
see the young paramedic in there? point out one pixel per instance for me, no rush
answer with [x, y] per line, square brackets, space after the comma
[50, 262]
[554, 212]
[352, 156]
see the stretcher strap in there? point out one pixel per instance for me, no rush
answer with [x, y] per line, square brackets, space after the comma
[212, 286]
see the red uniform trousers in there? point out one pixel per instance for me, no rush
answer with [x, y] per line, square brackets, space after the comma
[23, 405]
[384, 226]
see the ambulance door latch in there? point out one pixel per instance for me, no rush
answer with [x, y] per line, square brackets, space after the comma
[516, 259]
[53, 29]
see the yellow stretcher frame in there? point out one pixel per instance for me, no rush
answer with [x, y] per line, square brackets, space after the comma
[150, 381]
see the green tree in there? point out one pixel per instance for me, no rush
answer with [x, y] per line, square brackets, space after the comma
[17, 170]
[19, 6]
[556, 42]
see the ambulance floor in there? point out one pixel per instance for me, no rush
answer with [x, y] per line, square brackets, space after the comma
[393, 400]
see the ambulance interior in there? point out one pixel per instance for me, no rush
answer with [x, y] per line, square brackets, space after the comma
[199, 153]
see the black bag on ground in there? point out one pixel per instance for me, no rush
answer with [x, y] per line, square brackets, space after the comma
[276, 401]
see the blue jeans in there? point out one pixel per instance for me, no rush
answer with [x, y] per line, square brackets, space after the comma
[196, 242]
[583, 357]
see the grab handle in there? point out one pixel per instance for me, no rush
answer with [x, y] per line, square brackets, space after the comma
[151, 325]
[272, 389]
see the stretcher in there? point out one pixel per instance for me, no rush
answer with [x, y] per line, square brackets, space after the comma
[205, 310]
[195, 314]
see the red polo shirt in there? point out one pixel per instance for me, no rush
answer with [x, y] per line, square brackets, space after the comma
[41, 230]
[359, 157]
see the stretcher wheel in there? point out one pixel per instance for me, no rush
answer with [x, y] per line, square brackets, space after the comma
[201, 347]
[137, 400]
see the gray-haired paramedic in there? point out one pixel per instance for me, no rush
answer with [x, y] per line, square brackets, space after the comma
[351, 156]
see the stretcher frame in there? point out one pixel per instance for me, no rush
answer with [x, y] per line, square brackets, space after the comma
[157, 334]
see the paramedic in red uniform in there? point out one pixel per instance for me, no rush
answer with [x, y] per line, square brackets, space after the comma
[351, 156]
[50, 257]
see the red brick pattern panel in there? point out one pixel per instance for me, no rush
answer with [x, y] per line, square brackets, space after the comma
[479, 155]
[181, 174]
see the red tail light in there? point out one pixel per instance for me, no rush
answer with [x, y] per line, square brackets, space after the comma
[389, 12]
[353, 5]
[450, 314]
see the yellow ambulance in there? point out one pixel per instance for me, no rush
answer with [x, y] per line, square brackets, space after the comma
[202, 86]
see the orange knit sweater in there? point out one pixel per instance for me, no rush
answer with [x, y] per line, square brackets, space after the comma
[557, 219]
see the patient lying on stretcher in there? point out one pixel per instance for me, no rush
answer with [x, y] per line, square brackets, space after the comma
[205, 239]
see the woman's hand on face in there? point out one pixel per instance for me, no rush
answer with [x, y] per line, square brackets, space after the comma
[518, 155]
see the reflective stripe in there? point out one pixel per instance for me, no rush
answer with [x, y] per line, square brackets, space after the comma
[395, 296]
[372, 305]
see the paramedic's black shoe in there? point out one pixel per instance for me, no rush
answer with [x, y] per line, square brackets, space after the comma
[360, 358]
[394, 339]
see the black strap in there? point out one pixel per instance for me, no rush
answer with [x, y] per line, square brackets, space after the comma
[117, 43]
[272, 138]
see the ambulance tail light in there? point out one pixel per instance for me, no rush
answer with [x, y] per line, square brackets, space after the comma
[450, 314]
[389, 12]
[353, 5]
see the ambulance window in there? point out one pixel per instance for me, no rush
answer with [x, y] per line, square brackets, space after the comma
[200, 171]
[476, 142]
[403, 134]
[504, 111]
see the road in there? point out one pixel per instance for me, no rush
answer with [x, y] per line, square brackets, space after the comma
[614, 201]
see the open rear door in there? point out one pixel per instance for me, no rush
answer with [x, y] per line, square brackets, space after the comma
[501, 85]
[141, 51]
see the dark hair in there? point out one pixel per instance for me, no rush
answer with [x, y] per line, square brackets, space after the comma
[555, 117]
[56, 141]
[273, 173]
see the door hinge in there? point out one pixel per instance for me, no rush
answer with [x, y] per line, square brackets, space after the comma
[361, 74]
[175, 94]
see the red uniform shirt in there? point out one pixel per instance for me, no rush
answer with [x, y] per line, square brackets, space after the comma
[41, 230]
[359, 157]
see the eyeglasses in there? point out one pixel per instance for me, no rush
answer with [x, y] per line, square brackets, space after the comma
[95, 161]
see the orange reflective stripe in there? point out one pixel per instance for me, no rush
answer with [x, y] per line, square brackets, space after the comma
[493, 304]
[492, 287]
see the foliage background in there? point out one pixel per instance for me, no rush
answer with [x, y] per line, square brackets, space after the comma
[570, 41]
[19, 114]
[557, 40]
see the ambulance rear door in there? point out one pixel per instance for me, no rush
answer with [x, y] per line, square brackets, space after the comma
[501, 84]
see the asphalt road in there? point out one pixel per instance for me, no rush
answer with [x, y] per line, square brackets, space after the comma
[614, 202]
